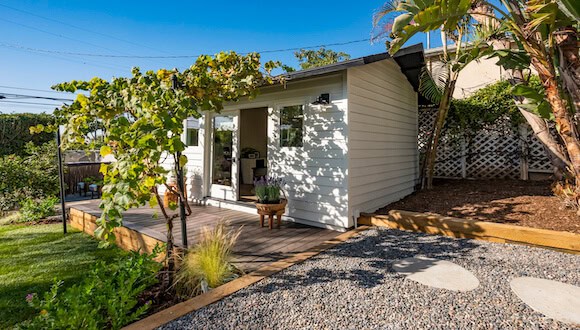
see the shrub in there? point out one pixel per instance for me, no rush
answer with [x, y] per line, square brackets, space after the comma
[15, 132]
[34, 175]
[209, 263]
[485, 108]
[33, 210]
[567, 193]
[107, 298]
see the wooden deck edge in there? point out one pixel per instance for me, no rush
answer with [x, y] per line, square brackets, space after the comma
[126, 238]
[481, 230]
[181, 309]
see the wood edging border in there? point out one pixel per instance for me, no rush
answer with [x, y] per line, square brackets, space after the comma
[167, 315]
[126, 238]
[473, 229]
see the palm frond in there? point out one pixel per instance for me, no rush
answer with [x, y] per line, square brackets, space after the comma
[432, 82]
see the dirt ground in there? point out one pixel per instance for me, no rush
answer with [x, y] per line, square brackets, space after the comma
[523, 203]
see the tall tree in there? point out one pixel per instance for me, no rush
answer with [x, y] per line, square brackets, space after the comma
[399, 20]
[314, 58]
[547, 39]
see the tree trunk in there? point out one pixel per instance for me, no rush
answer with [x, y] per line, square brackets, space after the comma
[566, 128]
[169, 257]
[431, 155]
[554, 151]
[569, 66]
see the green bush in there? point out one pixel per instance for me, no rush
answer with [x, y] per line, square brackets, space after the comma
[107, 299]
[33, 209]
[33, 175]
[15, 132]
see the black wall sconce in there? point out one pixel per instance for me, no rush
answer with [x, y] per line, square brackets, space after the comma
[323, 99]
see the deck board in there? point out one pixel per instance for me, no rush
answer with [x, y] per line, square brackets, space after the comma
[256, 246]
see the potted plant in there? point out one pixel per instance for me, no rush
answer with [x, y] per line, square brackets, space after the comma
[270, 202]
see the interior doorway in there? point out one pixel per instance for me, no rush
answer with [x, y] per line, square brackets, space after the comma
[253, 150]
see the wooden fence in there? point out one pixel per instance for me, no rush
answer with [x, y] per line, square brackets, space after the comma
[497, 152]
[77, 172]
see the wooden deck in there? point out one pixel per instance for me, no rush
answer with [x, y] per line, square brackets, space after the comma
[256, 246]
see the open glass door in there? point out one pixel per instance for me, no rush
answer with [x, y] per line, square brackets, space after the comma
[224, 167]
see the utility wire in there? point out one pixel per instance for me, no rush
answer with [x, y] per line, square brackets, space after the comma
[81, 28]
[22, 96]
[31, 89]
[174, 56]
[60, 36]
[79, 61]
[2, 101]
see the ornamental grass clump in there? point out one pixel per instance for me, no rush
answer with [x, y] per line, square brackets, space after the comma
[209, 263]
[268, 190]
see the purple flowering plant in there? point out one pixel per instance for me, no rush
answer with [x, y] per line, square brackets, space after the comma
[268, 189]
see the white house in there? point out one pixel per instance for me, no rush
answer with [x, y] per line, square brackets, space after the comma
[355, 154]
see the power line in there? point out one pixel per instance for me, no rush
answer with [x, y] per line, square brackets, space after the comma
[81, 28]
[56, 35]
[30, 103]
[23, 96]
[175, 56]
[80, 61]
[31, 89]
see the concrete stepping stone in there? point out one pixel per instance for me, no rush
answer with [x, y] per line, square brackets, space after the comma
[437, 273]
[556, 300]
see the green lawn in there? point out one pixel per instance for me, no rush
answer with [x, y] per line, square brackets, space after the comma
[31, 257]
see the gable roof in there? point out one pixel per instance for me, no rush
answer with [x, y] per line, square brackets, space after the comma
[410, 60]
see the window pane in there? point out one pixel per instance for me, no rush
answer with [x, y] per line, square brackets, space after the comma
[291, 123]
[192, 137]
[223, 130]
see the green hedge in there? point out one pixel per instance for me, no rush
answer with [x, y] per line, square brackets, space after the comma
[33, 175]
[15, 133]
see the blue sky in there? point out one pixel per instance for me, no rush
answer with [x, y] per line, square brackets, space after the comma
[161, 28]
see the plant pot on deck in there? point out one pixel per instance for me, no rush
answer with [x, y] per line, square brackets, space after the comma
[271, 210]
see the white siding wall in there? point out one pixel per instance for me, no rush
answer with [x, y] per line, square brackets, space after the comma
[195, 160]
[195, 163]
[382, 121]
[316, 173]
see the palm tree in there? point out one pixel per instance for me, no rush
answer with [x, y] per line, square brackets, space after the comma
[545, 31]
[400, 20]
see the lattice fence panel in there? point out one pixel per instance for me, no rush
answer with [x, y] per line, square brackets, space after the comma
[449, 159]
[537, 159]
[490, 154]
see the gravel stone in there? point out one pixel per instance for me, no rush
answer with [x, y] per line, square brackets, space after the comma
[353, 286]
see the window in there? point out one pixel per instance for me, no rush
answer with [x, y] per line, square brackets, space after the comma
[192, 132]
[291, 124]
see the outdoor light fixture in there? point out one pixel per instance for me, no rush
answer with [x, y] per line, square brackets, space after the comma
[323, 99]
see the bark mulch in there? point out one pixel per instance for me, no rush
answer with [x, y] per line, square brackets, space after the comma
[523, 203]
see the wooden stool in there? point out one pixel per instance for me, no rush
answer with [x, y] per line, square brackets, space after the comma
[270, 215]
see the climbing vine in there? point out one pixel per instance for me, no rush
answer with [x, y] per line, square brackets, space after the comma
[142, 116]
[485, 108]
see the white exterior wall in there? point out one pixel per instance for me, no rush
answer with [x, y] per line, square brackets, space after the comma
[316, 174]
[195, 161]
[382, 120]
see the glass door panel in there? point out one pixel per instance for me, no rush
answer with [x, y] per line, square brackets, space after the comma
[224, 168]
[223, 136]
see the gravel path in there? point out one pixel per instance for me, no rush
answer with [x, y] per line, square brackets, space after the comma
[352, 286]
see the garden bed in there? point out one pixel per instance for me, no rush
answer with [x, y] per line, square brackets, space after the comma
[522, 203]
[32, 257]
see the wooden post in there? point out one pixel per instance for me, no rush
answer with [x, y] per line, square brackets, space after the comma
[463, 158]
[61, 179]
[523, 138]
